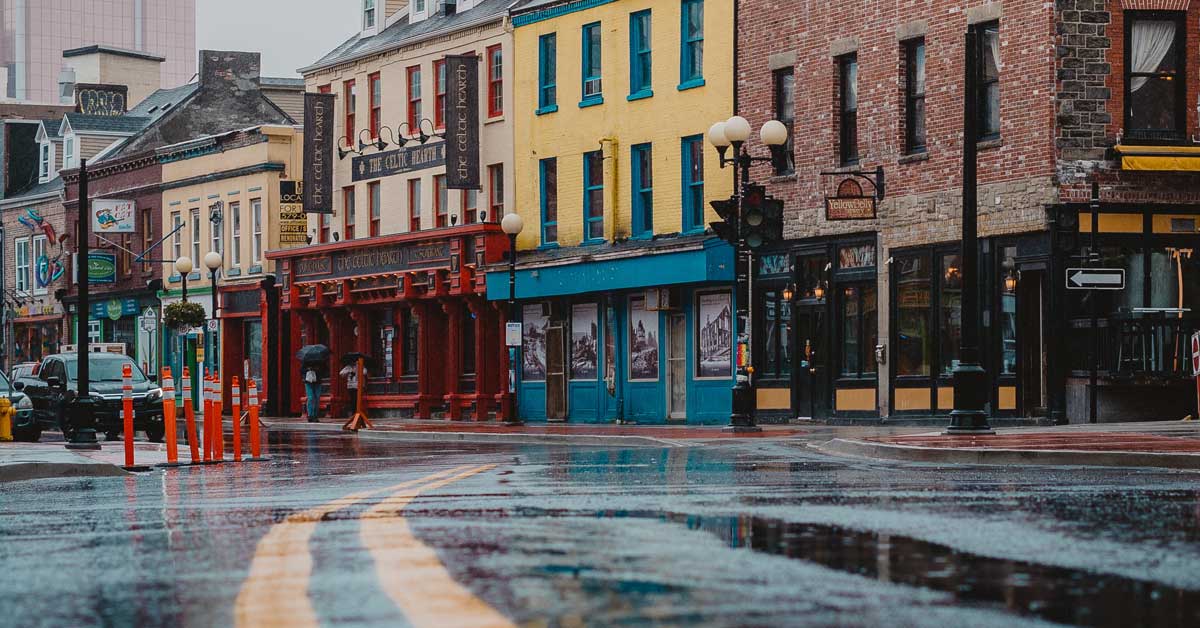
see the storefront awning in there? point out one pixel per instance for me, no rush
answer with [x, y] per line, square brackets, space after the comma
[593, 269]
[1159, 158]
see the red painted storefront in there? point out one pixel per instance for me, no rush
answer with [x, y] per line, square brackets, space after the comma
[417, 303]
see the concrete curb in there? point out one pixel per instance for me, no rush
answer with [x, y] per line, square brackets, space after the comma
[1058, 457]
[21, 471]
[484, 437]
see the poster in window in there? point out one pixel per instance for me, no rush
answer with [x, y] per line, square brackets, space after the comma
[643, 341]
[610, 350]
[533, 344]
[715, 339]
[584, 322]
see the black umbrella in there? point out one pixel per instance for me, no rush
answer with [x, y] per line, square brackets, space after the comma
[313, 354]
[369, 362]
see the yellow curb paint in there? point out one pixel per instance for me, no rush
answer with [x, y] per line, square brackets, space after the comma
[411, 573]
[276, 591]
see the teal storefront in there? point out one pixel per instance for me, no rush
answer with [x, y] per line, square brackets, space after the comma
[638, 332]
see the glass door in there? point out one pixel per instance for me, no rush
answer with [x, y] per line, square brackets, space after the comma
[676, 367]
[811, 379]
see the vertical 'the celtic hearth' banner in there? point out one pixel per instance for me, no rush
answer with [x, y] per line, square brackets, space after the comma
[462, 122]
[319, 141]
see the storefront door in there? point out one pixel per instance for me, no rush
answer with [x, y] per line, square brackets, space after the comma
[556, 371]
[677, 367]
[811, 380]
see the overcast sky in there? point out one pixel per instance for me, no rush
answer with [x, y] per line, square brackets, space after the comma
[289, 33]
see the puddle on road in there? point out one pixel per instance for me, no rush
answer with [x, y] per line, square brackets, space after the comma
[1058, 594]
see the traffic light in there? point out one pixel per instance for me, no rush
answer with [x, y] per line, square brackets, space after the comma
[726, 228]
[762, 217]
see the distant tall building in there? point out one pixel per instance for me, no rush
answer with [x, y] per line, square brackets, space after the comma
[36, 32]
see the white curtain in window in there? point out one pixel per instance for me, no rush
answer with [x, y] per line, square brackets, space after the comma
[994, 48]
[1152, 40]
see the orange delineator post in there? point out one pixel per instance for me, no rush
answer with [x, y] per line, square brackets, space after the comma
[255, 444]
[189, 414]
[127, 410]
[169, 418]
[219, 423]
[237, 420]
[208, 453]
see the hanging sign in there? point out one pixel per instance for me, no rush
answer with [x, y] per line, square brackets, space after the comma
[398, 161]
[113, 216]
[851, 203]
[319, 141]
[293, 222]
[462, 122]
[102, 267]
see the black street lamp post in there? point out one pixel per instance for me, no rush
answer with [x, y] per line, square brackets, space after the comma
[512, 224]
[970, 378]
[81, 413]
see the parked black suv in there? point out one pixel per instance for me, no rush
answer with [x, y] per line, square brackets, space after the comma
[52, 388]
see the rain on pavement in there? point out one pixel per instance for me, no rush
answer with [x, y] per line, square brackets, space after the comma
[762, 533]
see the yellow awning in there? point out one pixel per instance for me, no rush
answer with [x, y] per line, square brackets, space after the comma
[1159, 158]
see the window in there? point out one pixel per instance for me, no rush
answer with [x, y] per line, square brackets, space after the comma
[1155, 77]
[177, 237]
[639, 54]
[326, 222]
[21, 259]
[989, 80]
[125, 254]
[914, 96]
[928, 301]
[375, 87]
[351, 101]
[147, 236]
[950, 311]
[373, 198]
[348, 213]
[549, 172]
[195, 237]
[785, 111]
[368, 14]
[470, 206]
[325, 89]
[412, 330]
[643, 190]
[591, 65]
[440, 214]
[68, 159]
[414, 204]
[495, 55]
[256, 245]
[414, 99]
[693, 183]
[439, 90]
[860, 330]
[593, 196]
[691, 50]
[848, 108]
[777, 314]
[218, 240]
[496, 191]
[548, 73]
[47, 162]
[235, 234]
[418, 6]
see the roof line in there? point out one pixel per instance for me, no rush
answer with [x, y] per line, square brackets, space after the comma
[369, 52]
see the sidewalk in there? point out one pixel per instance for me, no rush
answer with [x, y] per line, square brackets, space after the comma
[1170, 444]
[32, 461]
[563, 433]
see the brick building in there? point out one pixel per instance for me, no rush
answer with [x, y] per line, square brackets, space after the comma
[860, 315]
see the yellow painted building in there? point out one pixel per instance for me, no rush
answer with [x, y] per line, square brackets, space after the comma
[625, 299]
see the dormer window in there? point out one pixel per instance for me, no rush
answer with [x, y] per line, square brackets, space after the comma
[68, 152]
[368, 15]
[420, 10]
[46, 162]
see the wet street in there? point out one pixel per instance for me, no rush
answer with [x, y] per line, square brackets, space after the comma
[337, 530]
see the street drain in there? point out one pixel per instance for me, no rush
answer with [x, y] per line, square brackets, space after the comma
[1058, 594]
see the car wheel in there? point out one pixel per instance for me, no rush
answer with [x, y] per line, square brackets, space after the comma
[28, 434]
[155, 434]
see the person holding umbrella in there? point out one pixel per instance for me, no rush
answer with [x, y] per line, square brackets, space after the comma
[312, 359]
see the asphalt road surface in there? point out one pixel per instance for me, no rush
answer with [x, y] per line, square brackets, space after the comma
[336, 530]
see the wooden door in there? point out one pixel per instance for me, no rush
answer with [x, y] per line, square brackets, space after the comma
[556, 371]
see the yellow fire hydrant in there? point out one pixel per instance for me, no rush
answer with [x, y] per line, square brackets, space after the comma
[6, 419]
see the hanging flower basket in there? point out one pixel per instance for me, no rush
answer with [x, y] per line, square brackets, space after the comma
[182, 316]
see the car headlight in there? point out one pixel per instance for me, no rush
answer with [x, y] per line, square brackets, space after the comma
[155, 394]
[24, 403]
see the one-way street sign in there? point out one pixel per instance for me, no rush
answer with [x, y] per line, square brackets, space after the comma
[1095, 278]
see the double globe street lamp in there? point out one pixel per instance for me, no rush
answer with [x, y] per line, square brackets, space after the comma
[733, 133]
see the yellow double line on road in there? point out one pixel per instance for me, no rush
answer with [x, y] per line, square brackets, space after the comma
[276, 591]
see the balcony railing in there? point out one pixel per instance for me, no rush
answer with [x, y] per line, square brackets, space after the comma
[1155, 345]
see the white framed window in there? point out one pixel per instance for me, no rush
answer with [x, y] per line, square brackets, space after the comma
[177, 238]
[235, 233]
[368, 15]
[420, 10]
[68, 159]
[195, 237]
[217, 239]
[39, 253]
[256, 225]
[21, 260]
[46, 162]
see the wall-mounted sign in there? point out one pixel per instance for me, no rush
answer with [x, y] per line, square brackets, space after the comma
[374, 260]
[113, 216]
[1095, 279]
[850, 203]
[96, 99]
[114, 308]
[293, 222]
[462, 122]
[319, 141]
[102, 267]
[398, 161]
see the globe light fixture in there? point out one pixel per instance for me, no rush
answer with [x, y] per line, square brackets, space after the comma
[737, 129]
[212, 260]
[716, 135]
[512, 224]
[773, 133]
[184, 266]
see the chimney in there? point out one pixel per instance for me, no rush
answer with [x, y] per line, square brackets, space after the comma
[236, 72]
[139, 72]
